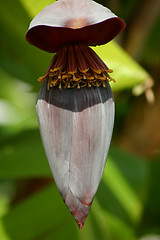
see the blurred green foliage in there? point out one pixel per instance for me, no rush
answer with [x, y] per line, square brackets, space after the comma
[123, 208]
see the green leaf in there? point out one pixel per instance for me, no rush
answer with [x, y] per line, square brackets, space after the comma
[111, 226]
[18, 58]
[17, 104]
[123, 191]
[126, 71]
[124, 185]
[22, 155]
[33, 7]
[45, 216]
[7, 192]
[42, 216]
[151, 216]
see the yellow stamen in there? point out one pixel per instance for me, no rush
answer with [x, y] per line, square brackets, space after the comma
[76, 66]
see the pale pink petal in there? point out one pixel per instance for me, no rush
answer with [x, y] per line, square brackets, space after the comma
[76, 128]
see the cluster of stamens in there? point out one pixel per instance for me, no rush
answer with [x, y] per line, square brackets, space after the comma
[76, 66]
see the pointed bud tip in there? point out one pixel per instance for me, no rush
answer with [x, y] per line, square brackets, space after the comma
[78, 209]
[80, 216]
[80, 225]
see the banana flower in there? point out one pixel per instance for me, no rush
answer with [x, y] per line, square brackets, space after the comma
[75, 106]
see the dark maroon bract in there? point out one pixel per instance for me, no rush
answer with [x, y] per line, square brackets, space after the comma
[70, 21]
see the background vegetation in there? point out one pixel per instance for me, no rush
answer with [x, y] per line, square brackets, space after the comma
[126, 206]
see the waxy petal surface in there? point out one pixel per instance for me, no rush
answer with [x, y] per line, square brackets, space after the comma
[68, 21]
[76, 128]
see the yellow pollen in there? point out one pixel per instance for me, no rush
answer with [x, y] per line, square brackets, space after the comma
[76, 66]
